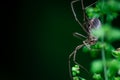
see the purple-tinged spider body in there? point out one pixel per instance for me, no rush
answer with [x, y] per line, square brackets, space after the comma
[94, 23]
[89, 25]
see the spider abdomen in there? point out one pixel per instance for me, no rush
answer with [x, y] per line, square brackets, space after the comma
[94, 23]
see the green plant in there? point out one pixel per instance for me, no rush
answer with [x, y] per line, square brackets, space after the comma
[109, 63]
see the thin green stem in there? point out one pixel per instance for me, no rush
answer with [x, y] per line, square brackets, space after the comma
[104, 61]
[103, 51]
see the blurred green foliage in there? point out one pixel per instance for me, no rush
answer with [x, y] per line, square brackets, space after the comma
[96, 66]
[97, 77]
[106, 11]
[110, 33]
[76, 72]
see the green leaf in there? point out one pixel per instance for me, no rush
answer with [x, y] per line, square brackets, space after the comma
[97, 77]
[85, 49]
[113, 65]
[116, 78]
[111, 16]
[96, 66]
[75, 70]
[114, 36]
[116, 53]
[110, 33]
[108, 47]
[75, 78]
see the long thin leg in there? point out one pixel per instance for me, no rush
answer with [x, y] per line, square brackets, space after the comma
[86, 8]
[91, 4]
[74, 59]
[86, 45]
[69, 62]
[83, 8]
[78, 35]
[76, 16]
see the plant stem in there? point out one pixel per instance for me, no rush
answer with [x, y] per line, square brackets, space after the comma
[103, 51]
[104, 61]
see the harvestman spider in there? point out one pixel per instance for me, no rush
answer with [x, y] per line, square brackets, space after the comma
[87, 26]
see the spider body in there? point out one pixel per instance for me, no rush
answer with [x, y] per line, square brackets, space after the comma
[94, 24]
[91, 40]
[88, 26]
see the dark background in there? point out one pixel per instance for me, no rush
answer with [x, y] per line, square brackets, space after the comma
[39, 39]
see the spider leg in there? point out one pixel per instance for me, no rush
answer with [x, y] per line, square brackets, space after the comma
[91, 5]
[74, 59]
[86, 8]
[76, 16]
[78, 35]
[83, 8]
[86, 44]
[69, 62]
[84, 14]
